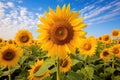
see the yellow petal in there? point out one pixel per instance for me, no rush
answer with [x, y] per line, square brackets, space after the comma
[58, 9]
[68, 9]
[63, 8]
[76, 21]
[51, 11]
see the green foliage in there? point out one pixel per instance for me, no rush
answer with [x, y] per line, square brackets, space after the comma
[48, 63]
[83, 67]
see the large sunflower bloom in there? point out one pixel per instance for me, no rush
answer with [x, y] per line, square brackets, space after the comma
[115, 33]
[88, 46]
[60, 31]
[23, 38]
[9, 55]
[34, 69]
[65, 64]
[115, 50]
[105, 54]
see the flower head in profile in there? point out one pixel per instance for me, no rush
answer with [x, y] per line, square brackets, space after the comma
[60, 31]
[34, 69]
[65, 64]
[88, 46]
[23, 38]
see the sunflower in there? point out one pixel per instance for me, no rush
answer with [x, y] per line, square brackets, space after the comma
[105, 54]
[35, 42]
[34, 69]
[61, 31]
[9, 55]
[115, 50]
[118, 41]
[115, 33]
[99, 38]
[106, 38]
[23, 38]
[65, 64]
[88, 46]
[1, 41]
[10, 41]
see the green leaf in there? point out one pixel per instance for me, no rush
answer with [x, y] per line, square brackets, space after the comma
[74, 61]
[88, 72]
[48, 63]
[12, 70]
[82, 57]
[74, 76]
[47, 78]
[116, 78]
[23, 58]
[97, 78]
[108, 71]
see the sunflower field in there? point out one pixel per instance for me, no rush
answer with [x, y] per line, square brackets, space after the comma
[61, 52]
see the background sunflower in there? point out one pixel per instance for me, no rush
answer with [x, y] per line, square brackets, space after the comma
[88, 46]
[9, 55]
[105, 54]
[23, 38]
[65, 64]
[115, 33]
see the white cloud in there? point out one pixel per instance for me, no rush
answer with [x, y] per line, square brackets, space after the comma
[97, 12]
[17, 18]
[20, 1]
[40, 9]
[94, 13]
[23, 11]
[10, 4]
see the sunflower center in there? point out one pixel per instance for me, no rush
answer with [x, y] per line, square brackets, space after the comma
[119, 42]
[0, 40]
[100, 38]
[116, 51]
[105, 53]
[8, 55]
[63, 63]
[115, 33]
[24, 39]
[87, 46]
[61, 34]
[10, 42]
[106, 38]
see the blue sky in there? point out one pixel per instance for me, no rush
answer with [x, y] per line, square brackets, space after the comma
[101, 16]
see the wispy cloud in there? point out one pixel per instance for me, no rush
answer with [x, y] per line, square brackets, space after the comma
[94, 13]
[13, 18]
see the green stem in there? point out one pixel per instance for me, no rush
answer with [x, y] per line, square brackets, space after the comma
[9, 74]
[113, 61]
[58, 70]
[85, 64]
[104, 70]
